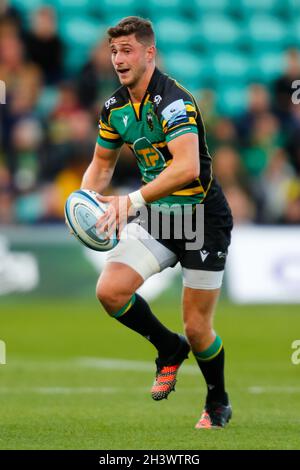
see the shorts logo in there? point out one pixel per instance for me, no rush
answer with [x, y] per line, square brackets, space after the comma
[175, 112]
[204, 254]
[109, 102]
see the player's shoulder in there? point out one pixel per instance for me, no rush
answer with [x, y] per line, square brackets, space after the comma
[166, 91]
[164, 87]
[117, 99]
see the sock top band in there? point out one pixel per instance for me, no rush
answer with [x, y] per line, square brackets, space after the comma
[124, 309]
[211, 352]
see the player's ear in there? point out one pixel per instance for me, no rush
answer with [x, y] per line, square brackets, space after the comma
[151, 52]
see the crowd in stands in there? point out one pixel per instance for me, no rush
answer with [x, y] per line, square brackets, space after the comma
[49, 127]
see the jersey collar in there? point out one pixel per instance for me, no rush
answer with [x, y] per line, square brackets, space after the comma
[157, 74]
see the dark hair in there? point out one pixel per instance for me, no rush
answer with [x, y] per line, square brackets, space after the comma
[141, 28]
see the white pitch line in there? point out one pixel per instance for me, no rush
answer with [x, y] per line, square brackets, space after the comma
[93, 363]
[257, 390]
[81, 390]
[121, 365]
[60, 390]
[128, 365]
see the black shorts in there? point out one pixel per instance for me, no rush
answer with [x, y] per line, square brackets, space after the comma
[217, 226]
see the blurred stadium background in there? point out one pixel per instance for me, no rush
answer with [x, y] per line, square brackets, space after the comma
[239, 58]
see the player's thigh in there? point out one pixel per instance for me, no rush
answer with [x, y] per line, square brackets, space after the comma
[136, 258]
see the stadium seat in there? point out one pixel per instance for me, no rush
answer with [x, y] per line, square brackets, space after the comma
[27, 5]
[296, 33]
[211, 6]
[186, 68]
[266, 31]
[81, 31]
[268, 66]
[159, 9]
[47, 100]
[173, 32]
[70, 6]
[231, 66]
[249, 7]
[231, 100]
[75, 59]
[219, 31]
[293, 6]
[114, 8]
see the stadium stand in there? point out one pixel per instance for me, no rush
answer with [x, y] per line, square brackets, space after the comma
[221, 50]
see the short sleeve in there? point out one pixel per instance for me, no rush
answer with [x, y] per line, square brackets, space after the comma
[108, 137]
[177, 113]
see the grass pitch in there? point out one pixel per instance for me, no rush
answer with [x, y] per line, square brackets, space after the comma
[76, 379]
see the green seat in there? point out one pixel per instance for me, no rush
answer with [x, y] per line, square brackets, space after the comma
[27, 5]
[186, 68]
[218, 31]
[268, 66]
[266, 31]
[81, 31]
[212, 6]
[249, 7]
[159, 9]
[47, 100]
[231, 100]
[293, 7]
[76, 58]
[114, 8]
[296, 33]
[229, 66]
[173, 32]
[70, 6]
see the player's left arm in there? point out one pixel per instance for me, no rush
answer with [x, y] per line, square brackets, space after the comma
[184, 168]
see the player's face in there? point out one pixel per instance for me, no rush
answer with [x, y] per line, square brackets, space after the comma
[130, 59]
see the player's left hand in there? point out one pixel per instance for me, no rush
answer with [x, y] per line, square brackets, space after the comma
[115, 217]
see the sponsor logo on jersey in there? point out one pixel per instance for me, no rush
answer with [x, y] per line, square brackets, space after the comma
[175, 112]
[125, 120]
[157, 99]
[109, 102]
[149, 118]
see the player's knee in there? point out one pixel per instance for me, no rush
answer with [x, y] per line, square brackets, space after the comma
[111, 297]
[105, 294]
[196, 328]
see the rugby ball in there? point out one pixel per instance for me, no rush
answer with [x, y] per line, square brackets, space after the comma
[82, 210]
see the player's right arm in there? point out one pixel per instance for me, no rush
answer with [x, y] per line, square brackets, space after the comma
[100, 171]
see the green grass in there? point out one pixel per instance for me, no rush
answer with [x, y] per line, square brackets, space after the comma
[53, 399]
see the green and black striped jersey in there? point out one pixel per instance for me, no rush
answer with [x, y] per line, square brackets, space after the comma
[166, 111]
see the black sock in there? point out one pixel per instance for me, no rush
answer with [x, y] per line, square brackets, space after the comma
[138, 317]
[213, 372]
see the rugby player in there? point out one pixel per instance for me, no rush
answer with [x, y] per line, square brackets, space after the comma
[160, 121]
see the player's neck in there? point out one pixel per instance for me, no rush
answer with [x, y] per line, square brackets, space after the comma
[138, 91]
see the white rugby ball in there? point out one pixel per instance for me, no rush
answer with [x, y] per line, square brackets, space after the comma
[82, 210]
